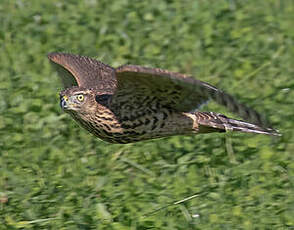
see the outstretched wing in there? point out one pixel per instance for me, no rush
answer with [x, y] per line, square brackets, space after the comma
[81, 71]
[173, 90]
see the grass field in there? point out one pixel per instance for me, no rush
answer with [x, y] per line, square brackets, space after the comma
[54, 175]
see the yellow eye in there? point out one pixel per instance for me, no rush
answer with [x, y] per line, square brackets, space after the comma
[80, 97]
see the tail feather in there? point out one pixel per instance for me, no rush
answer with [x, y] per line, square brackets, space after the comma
[213, 122]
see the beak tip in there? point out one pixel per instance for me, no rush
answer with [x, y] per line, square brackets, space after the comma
[63, 103]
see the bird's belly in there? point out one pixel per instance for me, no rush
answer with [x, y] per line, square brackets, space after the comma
[127, 129]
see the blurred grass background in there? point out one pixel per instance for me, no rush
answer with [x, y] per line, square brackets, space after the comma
[54, 175]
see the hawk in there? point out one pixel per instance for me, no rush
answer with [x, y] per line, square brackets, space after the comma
[134, 103]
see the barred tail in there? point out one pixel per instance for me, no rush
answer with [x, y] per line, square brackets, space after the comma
[215, 122]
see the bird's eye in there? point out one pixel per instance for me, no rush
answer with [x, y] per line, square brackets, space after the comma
[80, 97]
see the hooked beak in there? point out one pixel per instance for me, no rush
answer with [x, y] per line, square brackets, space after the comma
[64, 102]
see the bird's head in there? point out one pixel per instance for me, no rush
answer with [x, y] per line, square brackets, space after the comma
[77, 100]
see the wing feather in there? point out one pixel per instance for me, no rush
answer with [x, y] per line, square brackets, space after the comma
[76, 70]
[177, 91]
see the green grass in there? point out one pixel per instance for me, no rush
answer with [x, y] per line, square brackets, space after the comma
[54, 175]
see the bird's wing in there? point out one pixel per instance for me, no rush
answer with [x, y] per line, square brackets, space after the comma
[82, 71]
[174, 90]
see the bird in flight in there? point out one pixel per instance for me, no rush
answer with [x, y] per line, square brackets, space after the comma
[134, 103]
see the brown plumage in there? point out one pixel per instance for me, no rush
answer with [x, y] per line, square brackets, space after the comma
[135, 103]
